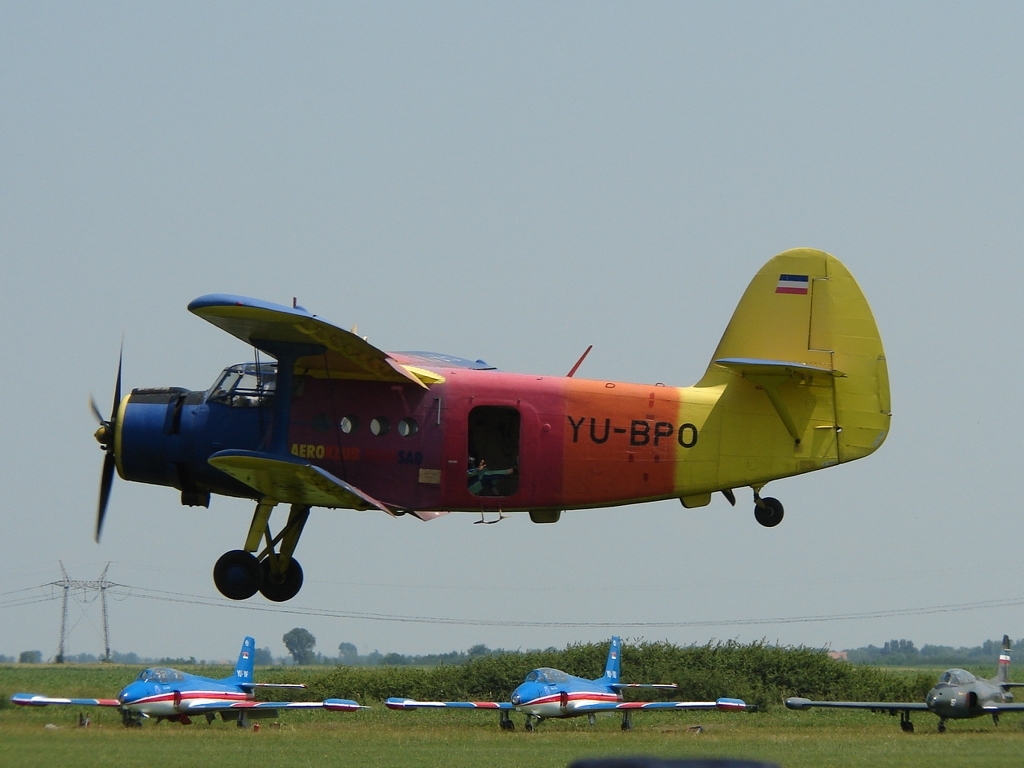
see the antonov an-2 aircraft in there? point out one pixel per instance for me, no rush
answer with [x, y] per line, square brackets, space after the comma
[797, 383]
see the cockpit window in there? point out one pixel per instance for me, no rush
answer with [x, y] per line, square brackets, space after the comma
[957, 677]
[547, 675]
[161, 675]
[245, 385]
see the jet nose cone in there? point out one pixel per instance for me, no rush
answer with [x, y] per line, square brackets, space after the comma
[516, 699]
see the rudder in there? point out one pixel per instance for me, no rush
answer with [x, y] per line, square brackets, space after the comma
[804, 333]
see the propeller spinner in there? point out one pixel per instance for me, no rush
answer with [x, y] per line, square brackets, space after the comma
[105, 437]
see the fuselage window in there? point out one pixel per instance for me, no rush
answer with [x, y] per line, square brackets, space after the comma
[349, 424]
[408, 427]
[380, 426]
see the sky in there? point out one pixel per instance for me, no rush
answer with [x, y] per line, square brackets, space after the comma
[514, 182]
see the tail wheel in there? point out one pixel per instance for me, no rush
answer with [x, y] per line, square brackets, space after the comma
[768, 511]
[238, 575]
[281, 587]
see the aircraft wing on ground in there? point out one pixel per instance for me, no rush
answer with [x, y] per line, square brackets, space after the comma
[996, 707]
[292, 481]
[396, 703]
[796, 702]
[35, 700]
[609, 706]
[329, 351]
[331, 705]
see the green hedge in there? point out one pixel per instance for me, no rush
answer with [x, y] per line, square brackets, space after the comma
[758, 673]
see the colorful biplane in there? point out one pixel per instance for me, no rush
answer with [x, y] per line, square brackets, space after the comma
[797, 383]
[167, 694]
[551, 693]
[958, 695]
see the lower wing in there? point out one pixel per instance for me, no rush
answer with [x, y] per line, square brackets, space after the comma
[331, 705]
[35, 700]
[736, 705]
[795, 702]
[402, 704]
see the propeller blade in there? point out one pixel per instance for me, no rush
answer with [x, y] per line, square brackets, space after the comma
[106, 481]
[117, 387]
[95, 410]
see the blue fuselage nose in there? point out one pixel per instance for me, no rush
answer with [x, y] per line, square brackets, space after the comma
[165, 437]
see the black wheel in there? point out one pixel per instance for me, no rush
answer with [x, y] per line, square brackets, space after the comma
[529, 725]
[237, 575]
[282, 588]
[907, 726]
[769, 512]
[942, 727]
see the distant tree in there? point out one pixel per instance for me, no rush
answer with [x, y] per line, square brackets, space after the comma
[6, 659]
[263, 657]
[478, 650]
[30, 657]
[348, 654]
[300, 643]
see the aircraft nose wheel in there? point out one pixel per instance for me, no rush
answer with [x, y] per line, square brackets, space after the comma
[768, 511]
[238, 575]
[281, 588]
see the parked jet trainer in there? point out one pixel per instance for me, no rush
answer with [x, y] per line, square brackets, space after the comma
[798, 383]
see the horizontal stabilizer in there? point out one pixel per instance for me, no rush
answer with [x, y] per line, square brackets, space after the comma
[251, 686]
[292, 481]
[336, 353]
[35, 700]
[663, 686]
[750, 366]
[404, 704]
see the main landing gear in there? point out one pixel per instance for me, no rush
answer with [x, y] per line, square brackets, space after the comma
[505, 722]
[627, 720]
[767, 511]
[942, 725]
[905, 725]
[239, 574]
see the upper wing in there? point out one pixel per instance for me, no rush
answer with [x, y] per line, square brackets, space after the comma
[329, 350]
[795, 702]
[332, 705]
[292, 481]
[35, 700]
[402, 704]
[724, 704]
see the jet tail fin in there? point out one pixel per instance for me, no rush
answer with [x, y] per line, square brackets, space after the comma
[246, 662]
[612, 665]
[1003, 671]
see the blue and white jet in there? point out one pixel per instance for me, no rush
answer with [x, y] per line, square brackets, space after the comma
[551, 693]
[167, 694]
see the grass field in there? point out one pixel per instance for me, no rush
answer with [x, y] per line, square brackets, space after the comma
[379, 737]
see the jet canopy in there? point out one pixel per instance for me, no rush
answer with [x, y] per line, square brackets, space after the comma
[244, 385]
[547, 675]
[956, 677]
[161, 675]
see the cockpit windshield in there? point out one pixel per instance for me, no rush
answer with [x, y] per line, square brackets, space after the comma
[547, 675]
[245, 385]
[161, 675]
[957, 677]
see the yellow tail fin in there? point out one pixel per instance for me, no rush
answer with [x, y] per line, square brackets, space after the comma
[804, 336]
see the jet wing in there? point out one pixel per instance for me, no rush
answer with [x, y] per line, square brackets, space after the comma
[795, 702]
[723, 704]
[292, 481]
[996, 708]
[331, 705]
[403, 704]
[332, 352]
[35, 700]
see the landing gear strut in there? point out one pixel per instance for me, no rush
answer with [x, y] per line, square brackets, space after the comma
[767, 511]
[905, 725]
[239, 574]
[505, 722]
[942, 725]
[627, 720]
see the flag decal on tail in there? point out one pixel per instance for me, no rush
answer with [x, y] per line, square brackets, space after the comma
[792, 284]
